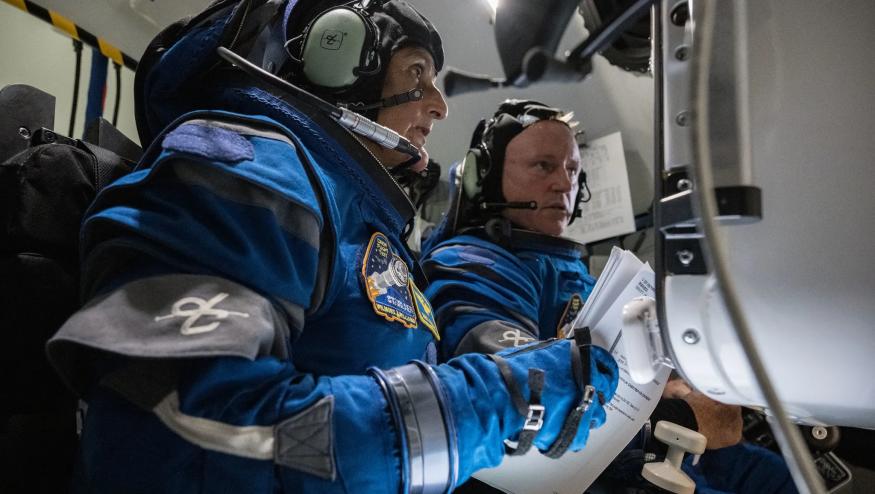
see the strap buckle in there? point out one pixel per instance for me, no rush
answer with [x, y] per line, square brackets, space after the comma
[588, 392]
[535, 418]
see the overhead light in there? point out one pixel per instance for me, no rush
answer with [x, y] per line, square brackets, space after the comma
[493, 4]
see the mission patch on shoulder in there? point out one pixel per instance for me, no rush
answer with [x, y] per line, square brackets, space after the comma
[572, 309]
[386, 277]
[423, 308]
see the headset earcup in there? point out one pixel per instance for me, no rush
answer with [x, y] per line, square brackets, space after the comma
[471, 173]
[335, 45]
[578, 198]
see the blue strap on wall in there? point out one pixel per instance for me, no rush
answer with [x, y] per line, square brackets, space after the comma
[96, 88]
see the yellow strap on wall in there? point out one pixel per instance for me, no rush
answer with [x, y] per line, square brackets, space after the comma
[110, 51]
[17, 3]
[64, 24]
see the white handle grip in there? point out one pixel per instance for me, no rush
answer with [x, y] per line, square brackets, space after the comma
[639, 320]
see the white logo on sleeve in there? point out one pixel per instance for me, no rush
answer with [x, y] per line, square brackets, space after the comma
[515, 336]
[199, 307]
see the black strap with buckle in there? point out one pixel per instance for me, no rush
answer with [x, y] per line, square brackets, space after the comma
[580, 365]
[532, 410]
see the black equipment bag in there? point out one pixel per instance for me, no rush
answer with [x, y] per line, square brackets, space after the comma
[45, 190]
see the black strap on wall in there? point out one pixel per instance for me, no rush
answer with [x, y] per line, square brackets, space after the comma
[77, 47]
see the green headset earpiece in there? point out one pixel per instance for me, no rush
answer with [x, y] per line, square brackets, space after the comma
[477, 164]
[340, 46]
[473, 171]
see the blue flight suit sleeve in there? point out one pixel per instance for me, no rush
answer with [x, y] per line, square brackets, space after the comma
[485, 299]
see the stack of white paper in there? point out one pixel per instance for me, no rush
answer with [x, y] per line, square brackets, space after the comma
[624, 278]
[621, 267]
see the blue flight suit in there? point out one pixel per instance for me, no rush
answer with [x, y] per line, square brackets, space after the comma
[225, 206]
[252, 311]
[487, 297]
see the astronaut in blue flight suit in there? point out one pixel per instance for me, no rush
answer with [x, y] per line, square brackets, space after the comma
[502, 276]
[253, 321]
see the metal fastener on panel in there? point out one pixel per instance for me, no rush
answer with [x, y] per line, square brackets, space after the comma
[24, 132]
[685, 257]
[684, 184]
[683, 118]
[819, 432]
[682, 53]
[690, 337]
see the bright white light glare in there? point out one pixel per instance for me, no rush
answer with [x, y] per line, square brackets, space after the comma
[493, 4]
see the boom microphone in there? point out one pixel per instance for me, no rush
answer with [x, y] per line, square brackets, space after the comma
[509, 205]
[394, 100]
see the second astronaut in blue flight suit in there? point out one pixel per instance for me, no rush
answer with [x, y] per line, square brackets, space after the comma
[253, 320]
[501, 276]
